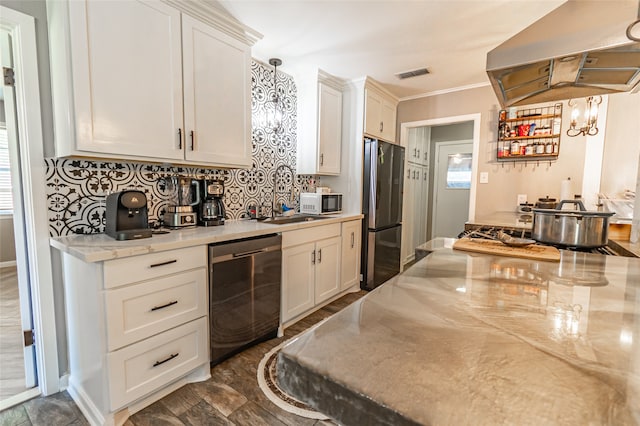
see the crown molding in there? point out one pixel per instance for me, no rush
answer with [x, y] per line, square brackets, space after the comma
[206, 11]
[445, 91]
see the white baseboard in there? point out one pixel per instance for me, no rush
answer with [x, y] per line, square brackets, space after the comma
[19, 398]
[86, 406]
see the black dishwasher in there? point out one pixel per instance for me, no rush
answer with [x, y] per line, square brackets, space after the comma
[244, 293]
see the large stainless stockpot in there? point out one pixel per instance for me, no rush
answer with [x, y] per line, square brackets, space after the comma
[571, 228]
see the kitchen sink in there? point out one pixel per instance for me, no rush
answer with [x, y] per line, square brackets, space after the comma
[281, 220]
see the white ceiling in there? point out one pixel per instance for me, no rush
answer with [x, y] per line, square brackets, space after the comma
[379, 38]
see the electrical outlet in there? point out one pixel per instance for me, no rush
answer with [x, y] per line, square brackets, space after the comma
[522, 198]
[484, 177]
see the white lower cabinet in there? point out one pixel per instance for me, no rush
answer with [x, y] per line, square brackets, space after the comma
[310, 268]
[137, 326]
[327, 279]
[351, 236]
[317, 264]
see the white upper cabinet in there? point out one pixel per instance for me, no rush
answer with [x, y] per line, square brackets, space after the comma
[217, 94]
[117, 78]
[319, 124]
[380, 114]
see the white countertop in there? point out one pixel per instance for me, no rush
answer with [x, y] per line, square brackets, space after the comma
[101, 247]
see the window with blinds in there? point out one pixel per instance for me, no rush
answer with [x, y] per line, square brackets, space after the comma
[6, 198]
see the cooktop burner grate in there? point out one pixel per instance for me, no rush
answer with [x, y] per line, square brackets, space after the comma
[491, 233]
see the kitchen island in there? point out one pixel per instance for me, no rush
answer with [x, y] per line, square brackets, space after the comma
[465, 338]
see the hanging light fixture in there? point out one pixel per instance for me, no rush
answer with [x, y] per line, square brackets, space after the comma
[590, 124]
[273, 107]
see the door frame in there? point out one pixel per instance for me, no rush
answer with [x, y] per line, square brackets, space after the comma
[476, 118]
[28, 114]
[435, 177]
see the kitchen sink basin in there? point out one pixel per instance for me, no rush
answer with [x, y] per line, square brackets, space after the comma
[281, 220]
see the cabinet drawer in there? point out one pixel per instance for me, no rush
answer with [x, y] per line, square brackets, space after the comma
[140, 268]
[142, 310]
[302, 236]
[145, 367]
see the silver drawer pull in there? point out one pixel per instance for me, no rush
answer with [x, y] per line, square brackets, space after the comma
[156, 308]
[169, 358]
[168, 262]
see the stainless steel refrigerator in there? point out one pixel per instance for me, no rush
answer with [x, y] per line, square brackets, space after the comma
[382, 209]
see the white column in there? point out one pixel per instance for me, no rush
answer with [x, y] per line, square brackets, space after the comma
[593, 159]
[635, 224]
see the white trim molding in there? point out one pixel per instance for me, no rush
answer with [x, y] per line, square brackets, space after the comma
[476, 118]
[27, 94]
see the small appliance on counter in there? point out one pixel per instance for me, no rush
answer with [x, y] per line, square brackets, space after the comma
[320, 203]
[182, 214]
[211, 210]
[127, 216]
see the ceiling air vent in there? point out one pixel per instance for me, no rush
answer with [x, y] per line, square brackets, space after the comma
[412, 73]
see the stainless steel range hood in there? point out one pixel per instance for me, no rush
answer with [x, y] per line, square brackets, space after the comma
[579, 49]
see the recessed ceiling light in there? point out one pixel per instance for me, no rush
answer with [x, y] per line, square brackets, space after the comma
[412, 73]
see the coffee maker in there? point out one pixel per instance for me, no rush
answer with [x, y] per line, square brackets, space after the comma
[188, 195]
[211, 212]
[127, 215]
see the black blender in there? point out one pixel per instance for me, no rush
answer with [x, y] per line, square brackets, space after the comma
[211, 206]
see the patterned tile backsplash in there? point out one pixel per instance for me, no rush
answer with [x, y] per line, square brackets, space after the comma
[77, 188]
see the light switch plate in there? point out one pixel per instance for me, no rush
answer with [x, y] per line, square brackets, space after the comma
[484, 177]
[522, 198]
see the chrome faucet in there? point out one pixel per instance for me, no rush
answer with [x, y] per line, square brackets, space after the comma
[275, 177]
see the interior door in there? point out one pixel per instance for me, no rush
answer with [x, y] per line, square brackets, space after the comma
[17, 361]
[452, 186]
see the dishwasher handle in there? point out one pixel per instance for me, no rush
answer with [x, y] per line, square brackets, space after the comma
[249, 253]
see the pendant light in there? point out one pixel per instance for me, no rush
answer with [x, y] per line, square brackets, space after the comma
[589, 126]
[273, 107]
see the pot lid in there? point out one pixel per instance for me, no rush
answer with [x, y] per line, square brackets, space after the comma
[547, 200]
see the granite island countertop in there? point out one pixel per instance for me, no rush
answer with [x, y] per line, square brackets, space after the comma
[464, 338]
[101, 247]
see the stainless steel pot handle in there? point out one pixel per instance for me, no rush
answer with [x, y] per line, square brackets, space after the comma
[576, 202]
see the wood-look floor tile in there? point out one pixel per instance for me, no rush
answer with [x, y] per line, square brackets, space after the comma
[220, 396]
[155, 415]
[254, 415]
[204, 414]
[181, 400]
[54, 410]
[15, 416]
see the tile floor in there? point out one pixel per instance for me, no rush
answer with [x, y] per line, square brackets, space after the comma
[231, 397]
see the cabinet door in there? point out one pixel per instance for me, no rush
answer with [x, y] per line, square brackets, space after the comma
[127, 78]
[217, 95]
[408, 215]
[298, 275]
[373, 113]
[420, 207]
[350, 259]
[327, 268]
[388, 118]
[329, 130]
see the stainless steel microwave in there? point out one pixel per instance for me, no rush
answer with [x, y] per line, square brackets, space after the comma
[315, 203]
